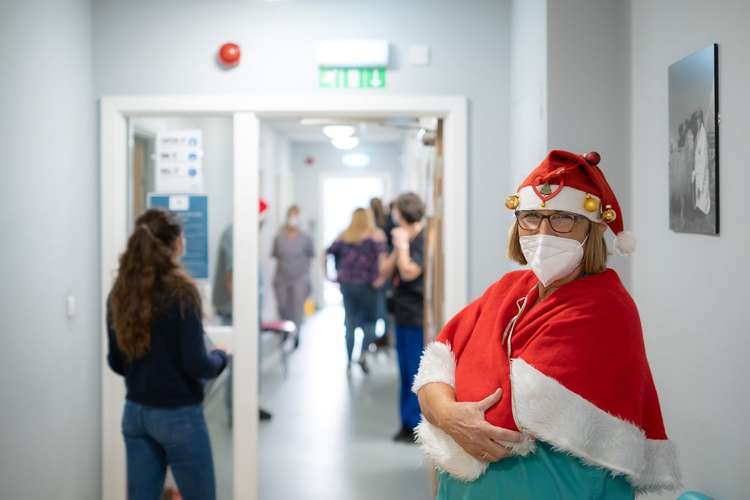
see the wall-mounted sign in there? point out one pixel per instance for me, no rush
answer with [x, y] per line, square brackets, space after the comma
[192, 210]
[179, 162]
[352, 78]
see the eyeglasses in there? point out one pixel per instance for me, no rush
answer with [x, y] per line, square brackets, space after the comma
[560, 222]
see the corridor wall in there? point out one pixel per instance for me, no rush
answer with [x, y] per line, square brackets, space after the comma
[692, 289]
[49, 215]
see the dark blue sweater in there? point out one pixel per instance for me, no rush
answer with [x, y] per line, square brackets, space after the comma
[170, 373]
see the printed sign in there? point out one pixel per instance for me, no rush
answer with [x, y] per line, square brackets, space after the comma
[179, 162]
[192, 210]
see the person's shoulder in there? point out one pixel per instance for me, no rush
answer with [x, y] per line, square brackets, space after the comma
[606, 294]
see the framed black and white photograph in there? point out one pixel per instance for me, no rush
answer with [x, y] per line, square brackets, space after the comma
[694, 143]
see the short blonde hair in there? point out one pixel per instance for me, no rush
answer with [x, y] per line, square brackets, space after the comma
[594, 250]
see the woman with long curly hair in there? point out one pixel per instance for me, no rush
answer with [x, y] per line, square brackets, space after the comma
[156, 341]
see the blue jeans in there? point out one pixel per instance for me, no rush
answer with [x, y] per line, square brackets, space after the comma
[360, 304]
[157, 437]
[409, 345]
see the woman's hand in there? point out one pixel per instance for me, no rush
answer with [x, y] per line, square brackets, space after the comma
[400, 237]
[466, 424]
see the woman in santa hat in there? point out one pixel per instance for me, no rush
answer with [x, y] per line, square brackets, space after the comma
[540, 388]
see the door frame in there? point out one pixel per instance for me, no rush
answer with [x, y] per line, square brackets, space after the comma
[247, 111]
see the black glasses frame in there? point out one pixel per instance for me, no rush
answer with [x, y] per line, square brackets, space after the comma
[549, 217]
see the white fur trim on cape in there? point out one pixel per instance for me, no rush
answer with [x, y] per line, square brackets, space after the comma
[445, 454]
[438, 364]
[549, 411]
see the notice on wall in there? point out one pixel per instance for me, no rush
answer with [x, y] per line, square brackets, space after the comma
[192, 210]
[179, 162]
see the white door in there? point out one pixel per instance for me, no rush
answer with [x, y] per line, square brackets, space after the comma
[228, 146]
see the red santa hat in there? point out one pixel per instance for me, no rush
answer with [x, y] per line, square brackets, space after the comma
[574, 183]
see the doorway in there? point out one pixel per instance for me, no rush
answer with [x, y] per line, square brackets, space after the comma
[246, 113]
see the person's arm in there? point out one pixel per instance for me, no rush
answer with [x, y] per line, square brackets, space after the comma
[275, 249]
[196, 360]
[465, 422]
[230, 284]
[409, 267]
[309, 248]
[434, 385]
[115, 357]
[380, 256]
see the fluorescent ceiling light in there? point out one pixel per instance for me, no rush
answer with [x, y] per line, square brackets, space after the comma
[345, 142]
[336, 131]
[357, 160]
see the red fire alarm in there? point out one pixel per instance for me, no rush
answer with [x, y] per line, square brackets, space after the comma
[309, 161]
[229, 54]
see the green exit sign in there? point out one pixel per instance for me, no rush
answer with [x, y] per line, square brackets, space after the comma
[352, 78]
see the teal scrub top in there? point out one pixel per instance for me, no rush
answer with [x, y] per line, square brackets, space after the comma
[547, 474]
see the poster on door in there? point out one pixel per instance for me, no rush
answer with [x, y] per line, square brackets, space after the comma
[192, 210]
[179, 161]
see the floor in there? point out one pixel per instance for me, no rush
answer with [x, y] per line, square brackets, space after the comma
[330, 436]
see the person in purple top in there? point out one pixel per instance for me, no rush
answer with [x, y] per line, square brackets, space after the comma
[358, 252]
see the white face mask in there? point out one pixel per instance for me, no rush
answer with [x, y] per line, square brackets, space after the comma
[551, 257]
[293, 220]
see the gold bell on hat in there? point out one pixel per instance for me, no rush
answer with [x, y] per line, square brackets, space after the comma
[591, 204]
[512, 202]
[609, 215]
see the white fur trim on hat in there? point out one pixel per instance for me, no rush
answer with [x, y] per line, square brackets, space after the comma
[568, 199]
[625, 243]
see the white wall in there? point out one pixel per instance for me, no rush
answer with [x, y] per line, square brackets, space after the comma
[528, 87]
[569, 89]
[691, 289]
[168, 47]
[588, 91]
[49, 404]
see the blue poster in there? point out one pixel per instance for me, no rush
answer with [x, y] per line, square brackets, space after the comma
[192, 210]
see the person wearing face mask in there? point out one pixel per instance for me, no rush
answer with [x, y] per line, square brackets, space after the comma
[293, 251]
[541, 387]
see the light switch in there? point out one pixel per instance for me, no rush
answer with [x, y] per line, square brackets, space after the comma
[70, 305]
[419, 55]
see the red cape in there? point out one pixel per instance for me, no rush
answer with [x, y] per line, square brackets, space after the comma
[576, 376]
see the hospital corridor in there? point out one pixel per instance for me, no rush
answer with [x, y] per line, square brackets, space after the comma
[366, 250]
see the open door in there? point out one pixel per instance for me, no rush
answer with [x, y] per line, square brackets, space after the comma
[205, 169]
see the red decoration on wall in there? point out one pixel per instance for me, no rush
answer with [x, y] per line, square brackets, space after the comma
[229, 54]
[309, 161]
